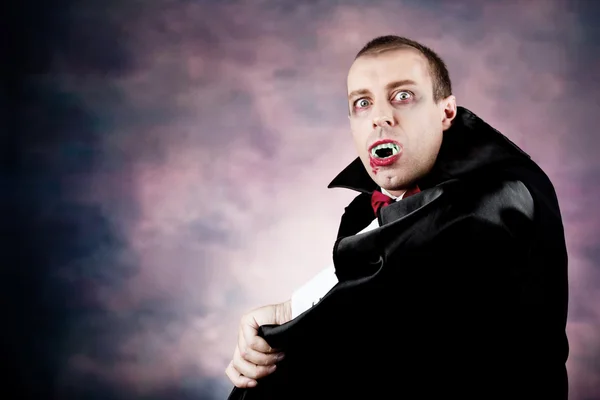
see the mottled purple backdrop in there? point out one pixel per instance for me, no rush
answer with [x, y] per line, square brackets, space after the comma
[183, 149]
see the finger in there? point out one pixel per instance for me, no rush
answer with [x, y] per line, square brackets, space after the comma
[256, 357]
[250, 370]
[237, 378]
[254, 341]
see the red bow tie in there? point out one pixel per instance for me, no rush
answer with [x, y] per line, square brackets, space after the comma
[379, 200]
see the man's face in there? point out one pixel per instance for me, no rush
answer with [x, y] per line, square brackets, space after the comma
[396, 124]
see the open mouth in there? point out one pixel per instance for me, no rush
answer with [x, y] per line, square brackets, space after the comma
[385, 150]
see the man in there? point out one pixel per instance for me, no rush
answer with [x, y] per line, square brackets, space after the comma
[457, 289]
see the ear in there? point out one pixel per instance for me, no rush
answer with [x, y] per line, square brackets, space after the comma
[448, 111]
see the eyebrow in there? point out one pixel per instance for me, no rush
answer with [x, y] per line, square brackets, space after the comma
[391, 85]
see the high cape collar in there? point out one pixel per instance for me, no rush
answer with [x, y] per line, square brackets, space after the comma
[469, 146]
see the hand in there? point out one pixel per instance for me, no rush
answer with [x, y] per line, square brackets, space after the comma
[253, 357]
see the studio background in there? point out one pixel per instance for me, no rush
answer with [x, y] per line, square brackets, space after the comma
[173, 158]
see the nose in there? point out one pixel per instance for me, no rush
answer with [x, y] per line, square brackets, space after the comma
[383, 121]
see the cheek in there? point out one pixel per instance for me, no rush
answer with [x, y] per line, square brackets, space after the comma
[423, 140]
[430, 142]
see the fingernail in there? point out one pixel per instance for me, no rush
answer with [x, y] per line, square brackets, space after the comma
[280, 356]
[273, 368]
[251, 383]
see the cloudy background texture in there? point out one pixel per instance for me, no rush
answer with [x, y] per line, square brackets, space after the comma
[175, 154]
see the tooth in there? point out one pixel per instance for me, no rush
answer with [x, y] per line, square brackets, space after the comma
[393, 146]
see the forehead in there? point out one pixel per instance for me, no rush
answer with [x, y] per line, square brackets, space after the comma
[375, 71]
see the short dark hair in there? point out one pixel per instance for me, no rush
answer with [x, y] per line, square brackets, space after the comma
[442, 86]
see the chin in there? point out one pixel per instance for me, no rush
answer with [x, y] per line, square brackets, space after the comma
[386, 179]
[391, 179]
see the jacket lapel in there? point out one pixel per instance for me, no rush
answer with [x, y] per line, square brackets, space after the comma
[368, 249]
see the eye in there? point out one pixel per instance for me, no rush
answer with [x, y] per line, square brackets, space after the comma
[402, 96]
[361, 103]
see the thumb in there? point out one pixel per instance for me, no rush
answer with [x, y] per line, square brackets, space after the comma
[260, 316]
[265, 316]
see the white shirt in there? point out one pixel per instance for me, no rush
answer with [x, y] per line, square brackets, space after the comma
[312, 291]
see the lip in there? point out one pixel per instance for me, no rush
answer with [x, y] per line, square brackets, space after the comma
[383, 141]
[387, 161]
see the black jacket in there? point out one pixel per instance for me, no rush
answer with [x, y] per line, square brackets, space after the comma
[461, 293]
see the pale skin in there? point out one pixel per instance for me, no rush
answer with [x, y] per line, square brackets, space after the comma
[390, 96]
[253, 358]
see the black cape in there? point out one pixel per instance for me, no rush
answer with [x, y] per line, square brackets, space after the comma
[461, 293]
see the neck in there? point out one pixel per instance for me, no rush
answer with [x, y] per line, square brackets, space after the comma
[393, 193]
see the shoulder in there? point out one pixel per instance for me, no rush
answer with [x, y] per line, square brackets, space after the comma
[505, 204]
[505, 196]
